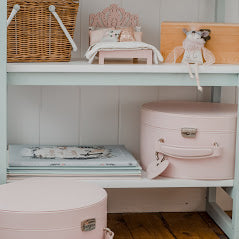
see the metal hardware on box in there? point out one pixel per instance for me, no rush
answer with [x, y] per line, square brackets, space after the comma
[188, 132]
[216, 144]
[163, 158]
[161, 140]
[108, 231]
[88, 225]
[157, 155]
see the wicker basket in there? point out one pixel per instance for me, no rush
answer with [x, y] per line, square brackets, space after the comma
[34, 34]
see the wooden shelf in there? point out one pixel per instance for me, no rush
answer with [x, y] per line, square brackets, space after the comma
[120, 67]
[83, 74]
[159, 183]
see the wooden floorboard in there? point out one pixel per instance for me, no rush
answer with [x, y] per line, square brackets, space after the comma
[189, 225]
[164, 226]
[118, 225]
[212, 225]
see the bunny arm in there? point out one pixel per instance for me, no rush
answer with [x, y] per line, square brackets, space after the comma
[208, 56]
[175, 54]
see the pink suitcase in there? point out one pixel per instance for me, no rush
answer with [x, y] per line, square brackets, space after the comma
[193, 140]
[53, 209]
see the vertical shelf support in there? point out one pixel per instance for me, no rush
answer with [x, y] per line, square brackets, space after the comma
[218, 215]
[3, 91]
[228, 225]
[216, 94]
[235, 190]
[212, 192]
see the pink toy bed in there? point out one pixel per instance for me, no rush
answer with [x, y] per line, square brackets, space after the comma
[115, 17]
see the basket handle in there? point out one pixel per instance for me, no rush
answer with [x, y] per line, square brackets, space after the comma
[15, 9]
[52, 9]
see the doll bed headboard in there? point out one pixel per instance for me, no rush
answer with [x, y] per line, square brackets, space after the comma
[113, 16]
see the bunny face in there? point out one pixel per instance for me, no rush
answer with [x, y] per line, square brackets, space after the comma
[114, 33]
[193, 35]
[196, 35]
[111, 36]
[205, 33]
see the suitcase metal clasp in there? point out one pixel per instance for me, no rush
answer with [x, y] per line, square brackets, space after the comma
[88, 225]
[189, 132]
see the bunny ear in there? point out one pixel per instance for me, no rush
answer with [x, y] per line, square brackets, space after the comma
[185, 30]
[205, 34]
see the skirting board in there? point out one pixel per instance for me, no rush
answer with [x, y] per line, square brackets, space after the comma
[162, 200]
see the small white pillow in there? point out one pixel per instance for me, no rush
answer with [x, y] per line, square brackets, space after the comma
[111, 36]
[97, 35]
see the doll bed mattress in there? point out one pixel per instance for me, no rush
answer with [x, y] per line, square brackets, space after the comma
[112, 46]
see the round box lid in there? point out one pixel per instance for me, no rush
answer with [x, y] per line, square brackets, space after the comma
[205, 116]
[197, 109]
[49, 195]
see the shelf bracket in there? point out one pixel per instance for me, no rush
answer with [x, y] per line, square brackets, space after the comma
[221, 218]
[229, 191]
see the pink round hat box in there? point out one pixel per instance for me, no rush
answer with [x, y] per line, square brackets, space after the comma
[197, 138]
[52, 208]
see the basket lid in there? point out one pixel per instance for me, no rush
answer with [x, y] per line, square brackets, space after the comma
[49, 195]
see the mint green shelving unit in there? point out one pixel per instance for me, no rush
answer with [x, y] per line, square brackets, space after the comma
[79, 73]
[3, 90]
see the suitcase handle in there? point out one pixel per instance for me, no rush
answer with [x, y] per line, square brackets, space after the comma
[190, 153]
[108, 233]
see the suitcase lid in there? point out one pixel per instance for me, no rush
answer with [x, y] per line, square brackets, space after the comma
[49, 195]
[205, 116]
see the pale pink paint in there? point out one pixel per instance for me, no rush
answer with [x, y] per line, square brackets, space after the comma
[210, 155]
[143, 54]
[51, 208]
[116, 17]
[113, 16]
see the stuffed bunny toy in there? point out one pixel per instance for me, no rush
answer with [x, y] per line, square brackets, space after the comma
[194, 51]
[111, 36]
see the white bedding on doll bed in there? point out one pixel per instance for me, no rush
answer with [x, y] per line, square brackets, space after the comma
[112, 46]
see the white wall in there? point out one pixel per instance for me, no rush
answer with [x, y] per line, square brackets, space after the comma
[110, 115]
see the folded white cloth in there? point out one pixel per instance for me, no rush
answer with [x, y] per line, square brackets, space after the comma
[112, 46]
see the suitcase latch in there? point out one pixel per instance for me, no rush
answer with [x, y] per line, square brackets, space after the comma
[88, 225]
[188, 132]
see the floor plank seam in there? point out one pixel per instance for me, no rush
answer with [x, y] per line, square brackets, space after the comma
[125, 223]
[211, 224]
[166, 225]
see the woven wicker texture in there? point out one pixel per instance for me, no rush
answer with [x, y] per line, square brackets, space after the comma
[34, 35]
